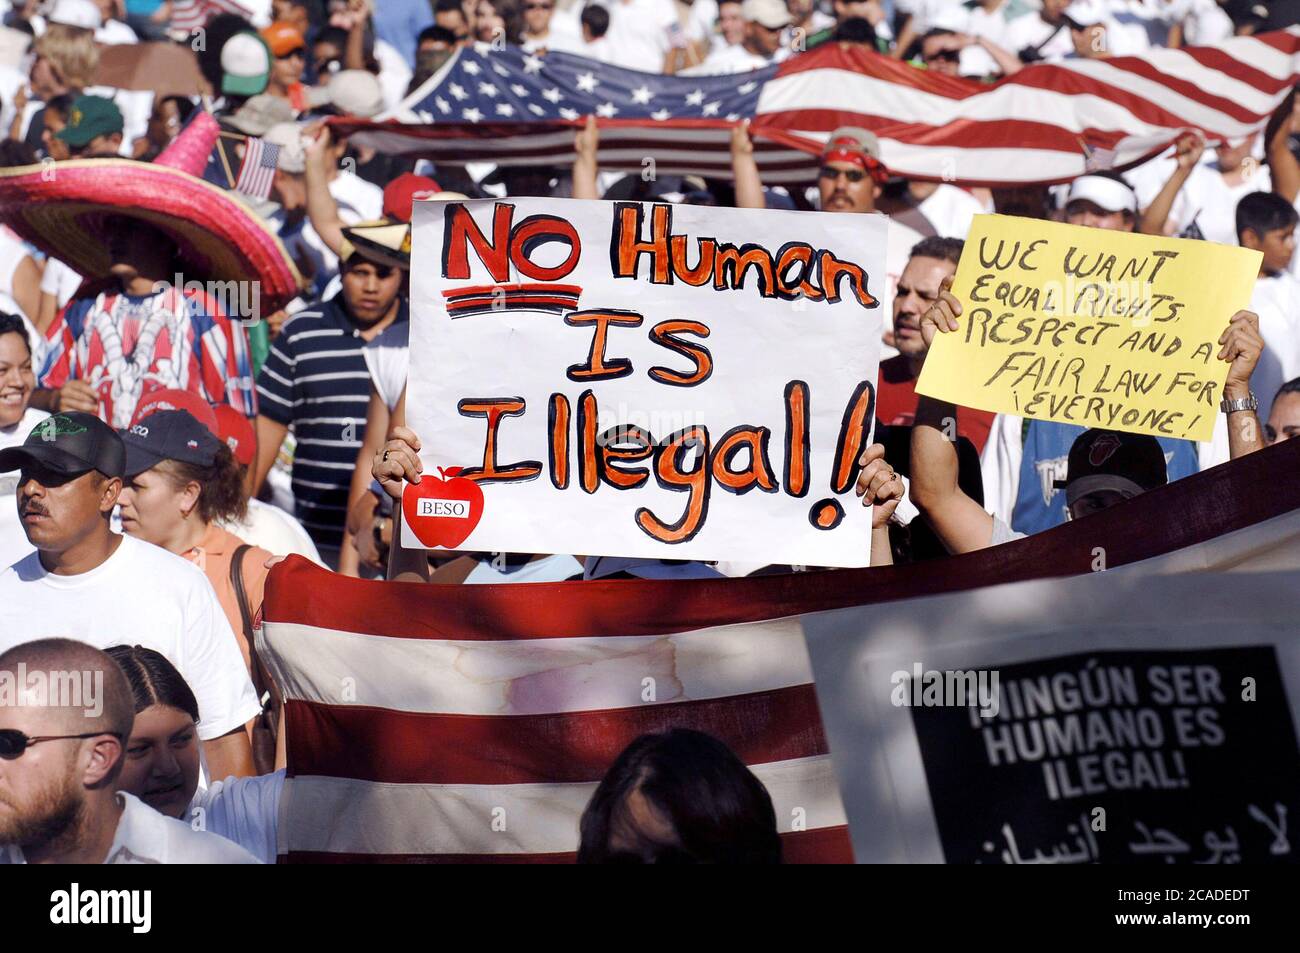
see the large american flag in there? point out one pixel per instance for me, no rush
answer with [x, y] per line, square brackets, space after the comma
[1047, 123]
[437, 723]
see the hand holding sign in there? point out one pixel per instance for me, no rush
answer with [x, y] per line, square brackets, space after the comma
[1097, 328]
[397, 462]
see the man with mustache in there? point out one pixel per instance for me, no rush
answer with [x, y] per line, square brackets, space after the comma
[85, 580]
[850, 179]
[933, 259]
[60, 757]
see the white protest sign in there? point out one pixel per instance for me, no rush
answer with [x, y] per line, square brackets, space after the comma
[640, 380]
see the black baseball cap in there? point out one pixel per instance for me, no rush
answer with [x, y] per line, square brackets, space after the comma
[168, 435]
[1129, 463]
[70, 443]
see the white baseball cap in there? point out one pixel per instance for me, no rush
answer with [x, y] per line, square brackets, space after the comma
[293, 151]
[354, 92]
[79, 13]
[767, 13]
[1106, 193]
[1086, 12]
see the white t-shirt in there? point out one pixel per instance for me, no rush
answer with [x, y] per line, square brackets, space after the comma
[357, 199]
[1032, 30]
[146, 837]
[276, 531]
[951, 210]
[140, 595]
[243, 810]
[547, 569]
[59, 280]
[1206, 198]
[115, 33]
[975, 21]
[563, 35]
[388, 357]
[639, 35]
[13, 541]
[394, 75]
[727, 60]
[1277, 302]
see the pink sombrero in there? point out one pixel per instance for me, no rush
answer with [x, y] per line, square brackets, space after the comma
[62, 209]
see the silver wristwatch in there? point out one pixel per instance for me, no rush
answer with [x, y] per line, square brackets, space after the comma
[1241, 403]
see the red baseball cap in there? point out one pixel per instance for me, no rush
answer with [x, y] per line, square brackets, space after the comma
[175, 399]
[236, 432]
[405, 189]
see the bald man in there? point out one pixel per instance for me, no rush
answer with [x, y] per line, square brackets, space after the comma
[66, 712]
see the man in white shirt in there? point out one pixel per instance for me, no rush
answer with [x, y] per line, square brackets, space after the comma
[764, 21]
[1044, 35]
[642, 33]
[1205, 194]
[63, 736]
[86, 581]
[985, 19]
[850, 179]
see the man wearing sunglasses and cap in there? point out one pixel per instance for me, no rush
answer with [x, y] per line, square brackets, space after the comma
[62, 747]
[106, 589]
[850, 179]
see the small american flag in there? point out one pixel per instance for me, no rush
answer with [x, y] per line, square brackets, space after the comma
[258, 168]
[195, 14]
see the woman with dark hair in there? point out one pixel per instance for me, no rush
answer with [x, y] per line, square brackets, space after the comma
[499, 21]
[182, 484]
[163, 754]
[679, 796]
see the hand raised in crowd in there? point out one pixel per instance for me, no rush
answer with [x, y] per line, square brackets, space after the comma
[1242, 346]
[587, 141]
[1188, 150]
[77, 395]
[741, 144]
[397, 462]
[878, 485]
[943, 314]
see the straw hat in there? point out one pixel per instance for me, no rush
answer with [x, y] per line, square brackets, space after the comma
[63, 208]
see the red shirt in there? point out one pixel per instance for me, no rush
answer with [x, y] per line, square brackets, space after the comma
[896, 403]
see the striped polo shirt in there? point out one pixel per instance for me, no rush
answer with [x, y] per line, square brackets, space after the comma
[315, 381]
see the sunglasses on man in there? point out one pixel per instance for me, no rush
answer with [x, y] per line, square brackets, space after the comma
[853, 175]
[14, 742]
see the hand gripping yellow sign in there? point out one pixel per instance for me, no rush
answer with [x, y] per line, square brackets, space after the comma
[1090, 326]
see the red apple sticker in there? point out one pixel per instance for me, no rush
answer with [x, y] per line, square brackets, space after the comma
[442, 510]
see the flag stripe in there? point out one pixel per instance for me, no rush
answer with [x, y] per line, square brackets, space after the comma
[528, 749]
[367, 817]
[825, 845]
[505, 673]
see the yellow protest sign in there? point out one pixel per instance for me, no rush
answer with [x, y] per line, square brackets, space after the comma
[1089, 326]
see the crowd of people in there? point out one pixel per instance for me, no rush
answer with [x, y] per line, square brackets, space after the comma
[163, 444]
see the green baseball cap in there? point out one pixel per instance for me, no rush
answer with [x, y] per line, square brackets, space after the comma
[245, 65]
[90, 116]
